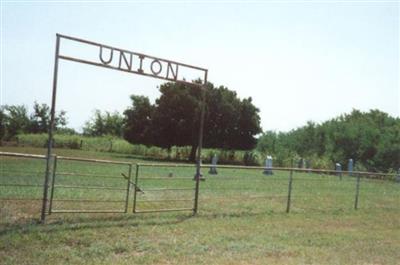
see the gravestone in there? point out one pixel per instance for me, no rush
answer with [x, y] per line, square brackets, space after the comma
[300, 163]
[268, 166]
[213, 168]
[398, 176]
[350, 167]
[308, 165]
[338, 168]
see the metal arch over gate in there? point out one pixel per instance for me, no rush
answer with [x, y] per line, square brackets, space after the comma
[131, 62]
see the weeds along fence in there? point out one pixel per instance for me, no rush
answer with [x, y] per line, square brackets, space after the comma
[78, 185]
[118, 145]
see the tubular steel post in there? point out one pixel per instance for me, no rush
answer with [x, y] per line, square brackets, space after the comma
[52, 183]
[135, 188]
[357, 192]
[128, 188]
[50, 140]
[289, 189]
[198, 165]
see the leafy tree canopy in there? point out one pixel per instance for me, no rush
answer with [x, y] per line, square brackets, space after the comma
[230, 123]
[15, 119]
[372, 139]
[104, 124]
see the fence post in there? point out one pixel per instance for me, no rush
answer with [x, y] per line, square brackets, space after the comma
[200, 146]
[128, 188]
[289, 189]
[357, 192]
[51, 128]
[135, 188]
[52, 183]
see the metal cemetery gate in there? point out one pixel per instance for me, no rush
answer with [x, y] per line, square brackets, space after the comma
[159, 189]
[104, 186]
[129, 62]
[94, 188]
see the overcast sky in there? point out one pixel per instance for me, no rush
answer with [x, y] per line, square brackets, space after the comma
[299, 61]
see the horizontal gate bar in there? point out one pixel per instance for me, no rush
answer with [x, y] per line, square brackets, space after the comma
[20, 185]
[86, 200]
[229, 198]
[169, 178]
[21, 172]
[93, 160]
[86, 211]
[88, 187]
[249, 178]
[166, 189]
[21, 155]
[166, 165]
[236, 189]
[85, 175]
[21, 199]
[172, 200]
[165, 210]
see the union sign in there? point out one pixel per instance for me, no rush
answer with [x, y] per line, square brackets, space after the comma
[137, 63]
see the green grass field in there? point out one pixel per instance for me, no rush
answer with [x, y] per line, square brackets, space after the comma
[241, 219]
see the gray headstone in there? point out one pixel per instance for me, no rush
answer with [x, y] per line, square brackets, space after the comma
[350, 167]
[338, 168]
[308, 165]
[268, 166]
[300, 163]
[213, 168]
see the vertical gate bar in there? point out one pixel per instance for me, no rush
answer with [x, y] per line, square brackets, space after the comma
[289, 189]
[128, 188]
[52, 183]
[357, 192]
[198, 165]
[51, 127]
[135, 188]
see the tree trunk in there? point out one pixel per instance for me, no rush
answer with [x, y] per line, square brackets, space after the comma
[192, 157]
[169, 152]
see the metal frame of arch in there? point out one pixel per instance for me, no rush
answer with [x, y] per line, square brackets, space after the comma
[130, 62]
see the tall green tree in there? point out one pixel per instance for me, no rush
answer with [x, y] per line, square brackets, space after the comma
[138, 121]
[39, 121]
[174, 119]
[104, 124]
[15, 119]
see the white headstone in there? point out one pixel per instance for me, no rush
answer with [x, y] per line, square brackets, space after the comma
[338, 168]
[350, 166]
[268, 166]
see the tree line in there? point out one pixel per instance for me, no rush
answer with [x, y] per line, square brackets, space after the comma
[173, 120]
[15, 119]
[371, 139]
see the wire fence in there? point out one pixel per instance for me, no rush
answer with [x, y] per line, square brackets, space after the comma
[80, 185]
